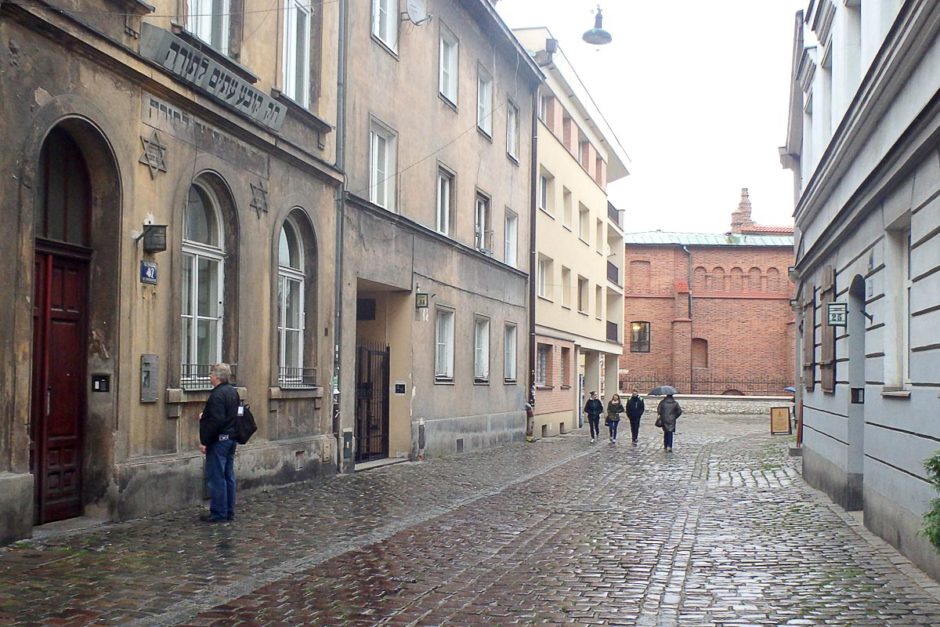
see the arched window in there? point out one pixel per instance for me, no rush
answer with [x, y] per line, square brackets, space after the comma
[202, 283]
[737, 280]
[698, 278]
[718, 279]
[291, 308]
[753, 280]
[773, 280]
[64, 193]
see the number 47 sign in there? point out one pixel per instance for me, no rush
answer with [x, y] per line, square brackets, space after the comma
[837, 314]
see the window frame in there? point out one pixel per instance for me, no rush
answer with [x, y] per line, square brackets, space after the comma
[387, 186]
[286, 275]
[444, 216]
[481, 349]
[544, 268]
[511, 238]
[510, 352]
[512, 131]
[637, 341]
[444, 347]
[484, 101]
[448, 66]
[391, 23]
[543, 365]
[201, 22]
[482, 220]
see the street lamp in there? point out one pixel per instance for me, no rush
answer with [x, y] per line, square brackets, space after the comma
[597, 35]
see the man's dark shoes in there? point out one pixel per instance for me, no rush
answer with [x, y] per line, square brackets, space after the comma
[208, 518]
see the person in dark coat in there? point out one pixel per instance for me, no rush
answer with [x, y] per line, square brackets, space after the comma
[594, 408]
[216, 428]
[635, 409]
[669, 412]
[614, 410]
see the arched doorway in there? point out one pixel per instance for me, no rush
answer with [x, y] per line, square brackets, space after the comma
[856, 411]
[60, 327]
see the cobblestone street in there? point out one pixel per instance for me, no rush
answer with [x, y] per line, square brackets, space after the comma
[721, 532]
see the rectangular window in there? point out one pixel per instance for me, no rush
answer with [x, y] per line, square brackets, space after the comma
[582, 294]
[445, 201]
[599, 236]
[512, 130]
[565, 367]
[639, 337]
[544, 277]
[481, 350]
[385, 22]
[566, 287]
[544, 103]
[567, 210]
[201, 317]
[482, 233]
[509, 353]
[584, 223]
[543, 365]
[484, 101]
[448, 66]
[297, 18]
[546, 189]
[511, 251]
[898, 302]
[444, 341]
[382, 166]
[809, 337]
[209, 21]
[598, 302]
[827, 333]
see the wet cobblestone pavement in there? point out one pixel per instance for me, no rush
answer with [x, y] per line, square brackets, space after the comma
[721, 532]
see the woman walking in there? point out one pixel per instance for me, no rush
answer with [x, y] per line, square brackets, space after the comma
[669, 411]
[614, 410]
[635, 409]
[594, 408]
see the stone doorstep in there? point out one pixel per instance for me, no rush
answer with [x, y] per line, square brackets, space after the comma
[67, 527]
[379, 463]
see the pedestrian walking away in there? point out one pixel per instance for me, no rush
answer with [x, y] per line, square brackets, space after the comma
[216, 442]
[615, 412]
[669, 412]
[635, 409]
[594, 408]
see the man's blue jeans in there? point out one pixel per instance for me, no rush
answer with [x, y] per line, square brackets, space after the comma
[220, 475]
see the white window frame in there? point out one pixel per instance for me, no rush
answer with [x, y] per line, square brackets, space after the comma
[297, 53]
[445, 201]
[209, 21]
[285, 276]
[382, 151]
[566, 287]
[583, 294]
[543, 277]
[485, 101]
[448, 61]
[511, 234]
[543, 355]
[482, 233]
[385, 22]
[444, 345]
[481, 350]
[510, 350]
[584, 224]
[545, 192]
[193, 252]
[512, 130]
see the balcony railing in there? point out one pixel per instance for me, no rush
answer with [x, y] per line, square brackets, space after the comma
[614, 215]
[612, 332]
[613, 273]
[195, 377]
[296, 378]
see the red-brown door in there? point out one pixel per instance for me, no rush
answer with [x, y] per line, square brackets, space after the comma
[58, 402]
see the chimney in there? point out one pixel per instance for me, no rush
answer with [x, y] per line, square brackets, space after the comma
[741, 218]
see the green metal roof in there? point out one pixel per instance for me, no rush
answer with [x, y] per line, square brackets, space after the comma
[652, 238]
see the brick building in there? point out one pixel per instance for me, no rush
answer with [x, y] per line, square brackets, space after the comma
[709, 313]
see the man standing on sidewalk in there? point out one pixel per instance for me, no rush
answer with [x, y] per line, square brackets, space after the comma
[216, 430]
[594, 408]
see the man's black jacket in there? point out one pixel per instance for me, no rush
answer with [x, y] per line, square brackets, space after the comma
[594, 407]
[635, 407]
[218, 416]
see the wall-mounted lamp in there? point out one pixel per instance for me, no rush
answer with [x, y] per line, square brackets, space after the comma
[597, 35]
[154, 236]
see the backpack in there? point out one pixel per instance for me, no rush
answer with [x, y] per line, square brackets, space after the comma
[245, 425]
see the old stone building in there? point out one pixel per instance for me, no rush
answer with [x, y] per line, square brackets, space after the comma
[864, 147]
[435, 232]
[710, 313]
[169, 188]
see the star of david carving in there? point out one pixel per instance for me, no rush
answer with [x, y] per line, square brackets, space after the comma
[154, 156]
[259, 198]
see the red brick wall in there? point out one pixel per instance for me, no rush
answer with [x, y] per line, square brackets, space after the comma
[555, 397]
[744, 317]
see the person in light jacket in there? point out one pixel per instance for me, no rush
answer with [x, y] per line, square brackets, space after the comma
[669, 411]
[635, 409]
[594, 408]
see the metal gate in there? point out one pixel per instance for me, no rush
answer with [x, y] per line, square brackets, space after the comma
[371, 403]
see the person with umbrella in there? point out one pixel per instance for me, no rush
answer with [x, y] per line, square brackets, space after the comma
[635, 409]
[669, 412]
[594, 408]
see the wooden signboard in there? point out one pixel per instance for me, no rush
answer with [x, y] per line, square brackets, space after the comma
[780, 421]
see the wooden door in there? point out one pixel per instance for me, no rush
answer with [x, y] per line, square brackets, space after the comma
[58, 397]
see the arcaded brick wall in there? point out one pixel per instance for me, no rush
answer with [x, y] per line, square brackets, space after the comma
[739, 307]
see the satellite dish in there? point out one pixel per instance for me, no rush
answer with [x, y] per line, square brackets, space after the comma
[417, 11]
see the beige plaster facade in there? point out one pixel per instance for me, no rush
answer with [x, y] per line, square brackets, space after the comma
[579, 242]
[414, 118]
[131, 117]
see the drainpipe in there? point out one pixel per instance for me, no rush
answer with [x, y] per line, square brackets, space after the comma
[689, 253]
[533, 209]
[340, 201]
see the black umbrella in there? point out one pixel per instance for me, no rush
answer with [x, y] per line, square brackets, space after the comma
[663, 390]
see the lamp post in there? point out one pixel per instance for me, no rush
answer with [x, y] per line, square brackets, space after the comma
[597, 35]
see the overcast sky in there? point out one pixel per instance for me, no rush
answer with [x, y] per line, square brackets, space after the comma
[695, 91]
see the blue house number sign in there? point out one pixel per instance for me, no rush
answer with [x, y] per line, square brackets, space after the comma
[148, 272]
